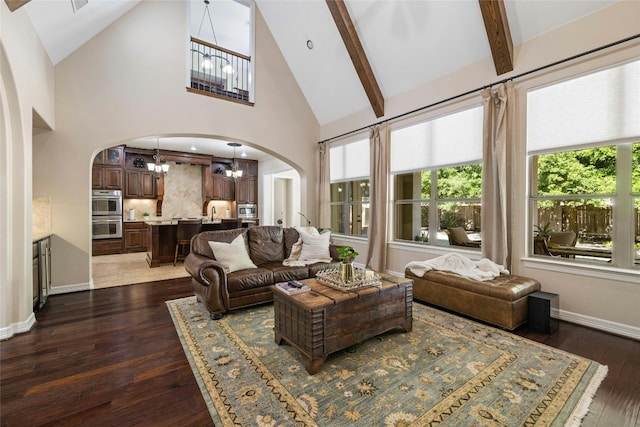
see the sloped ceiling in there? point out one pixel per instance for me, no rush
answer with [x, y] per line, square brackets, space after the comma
[407, 42]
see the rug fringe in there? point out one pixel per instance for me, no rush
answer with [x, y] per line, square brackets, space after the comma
[582, 408]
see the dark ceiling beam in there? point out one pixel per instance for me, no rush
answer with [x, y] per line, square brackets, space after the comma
[496, 25]
[352, 42]
[15, 4]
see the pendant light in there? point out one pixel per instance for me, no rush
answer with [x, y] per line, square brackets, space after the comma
[234, 172]
[208, 60]
[158, 166]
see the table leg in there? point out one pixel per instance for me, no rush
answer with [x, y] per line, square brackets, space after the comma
[407, 326]
[313, 366]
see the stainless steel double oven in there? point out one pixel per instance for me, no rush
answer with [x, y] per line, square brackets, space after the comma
[106, 211]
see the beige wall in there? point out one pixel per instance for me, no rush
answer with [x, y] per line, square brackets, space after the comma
[128, 82]
[26, 86]
[605, 298]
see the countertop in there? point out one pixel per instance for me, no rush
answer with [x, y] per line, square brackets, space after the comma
[39, 236]
[174, 221]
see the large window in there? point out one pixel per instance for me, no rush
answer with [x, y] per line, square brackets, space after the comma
[349, 174]
[437, 167]
[585, 185]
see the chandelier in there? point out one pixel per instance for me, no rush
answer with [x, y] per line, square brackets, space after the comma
[208, 61]
[158, 166]
[234, 172]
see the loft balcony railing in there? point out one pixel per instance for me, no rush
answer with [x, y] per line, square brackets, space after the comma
[219, 72]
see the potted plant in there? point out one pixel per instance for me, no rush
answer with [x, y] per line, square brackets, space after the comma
[347, 254]
[145, 216]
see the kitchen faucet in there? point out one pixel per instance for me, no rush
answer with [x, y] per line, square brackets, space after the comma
[213, 211]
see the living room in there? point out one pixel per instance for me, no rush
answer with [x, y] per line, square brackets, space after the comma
[109, 116]
[112, 90]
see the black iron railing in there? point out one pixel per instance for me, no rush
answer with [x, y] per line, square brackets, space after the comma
[219, 71]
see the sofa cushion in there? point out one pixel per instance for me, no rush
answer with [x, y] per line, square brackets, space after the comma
[249, 279]
[507, 287]
[282, 273]
[233, 256]
[266, 244]
[291, 236]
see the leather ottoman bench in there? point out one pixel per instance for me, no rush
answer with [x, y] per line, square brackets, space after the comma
[501, 301]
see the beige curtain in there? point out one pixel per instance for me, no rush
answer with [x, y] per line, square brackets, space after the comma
[324, 190]
[379, 175]
[498, 116]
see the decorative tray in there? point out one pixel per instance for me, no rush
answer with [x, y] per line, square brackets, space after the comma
[362, 279]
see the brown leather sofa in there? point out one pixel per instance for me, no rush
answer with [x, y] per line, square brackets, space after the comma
[502, 301]
[268, 247]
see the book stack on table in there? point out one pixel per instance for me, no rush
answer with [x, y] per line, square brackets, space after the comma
[292, 287]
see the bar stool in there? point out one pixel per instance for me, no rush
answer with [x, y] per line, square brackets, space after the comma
[187, 228]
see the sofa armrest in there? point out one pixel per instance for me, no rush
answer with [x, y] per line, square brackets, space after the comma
[196, 264]
[209, 280]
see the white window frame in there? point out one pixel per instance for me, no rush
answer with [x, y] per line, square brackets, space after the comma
[433, 201]
[622, 265]
[342, 177]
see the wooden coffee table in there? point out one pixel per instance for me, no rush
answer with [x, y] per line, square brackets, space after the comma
[326, 320]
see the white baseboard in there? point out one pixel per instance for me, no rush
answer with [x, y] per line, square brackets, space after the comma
[66, 289]
[26, 325]
[584, 320]
[18, 328]
[596, 323]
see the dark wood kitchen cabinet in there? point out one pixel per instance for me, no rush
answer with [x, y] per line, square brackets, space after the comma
[136, 237]
[139, 184]
[216, 185]
[107, 169]
[223, 188]
[247, 190]
[247, 185]
[106, 178]
[106, 246]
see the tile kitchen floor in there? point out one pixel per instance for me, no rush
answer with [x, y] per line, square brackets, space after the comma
[128, 269]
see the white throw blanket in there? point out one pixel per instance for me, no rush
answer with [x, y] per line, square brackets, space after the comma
[482, 270]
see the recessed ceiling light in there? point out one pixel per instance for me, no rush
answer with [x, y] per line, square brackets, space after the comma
[309, 44]
[243, 154]
[193, 148]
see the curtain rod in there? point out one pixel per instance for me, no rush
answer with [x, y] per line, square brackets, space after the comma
[535, 70]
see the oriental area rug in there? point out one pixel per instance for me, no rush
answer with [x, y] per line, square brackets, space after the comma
[448, 371]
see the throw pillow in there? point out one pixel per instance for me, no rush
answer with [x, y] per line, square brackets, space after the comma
[233, 256]
[314, 247]
[296, 248]
[308, 230]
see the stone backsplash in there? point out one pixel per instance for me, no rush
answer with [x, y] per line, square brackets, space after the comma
[182, 197]
[41, 215]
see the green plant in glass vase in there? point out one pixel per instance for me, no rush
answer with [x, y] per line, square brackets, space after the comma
[347, 254]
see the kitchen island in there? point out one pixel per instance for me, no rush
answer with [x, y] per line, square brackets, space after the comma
[162, 236]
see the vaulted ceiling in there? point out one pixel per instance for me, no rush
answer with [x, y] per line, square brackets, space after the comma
[405, 43]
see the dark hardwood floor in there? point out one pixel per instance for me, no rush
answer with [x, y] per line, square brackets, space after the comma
[112, 357]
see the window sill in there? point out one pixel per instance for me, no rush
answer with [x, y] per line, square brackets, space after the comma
[589, 270]
[435, 250]
[350, 238]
